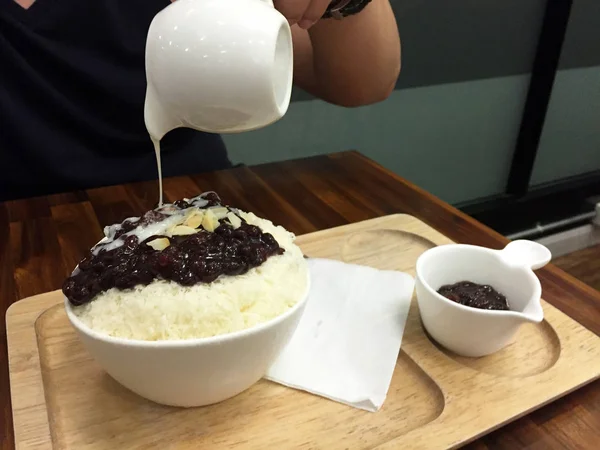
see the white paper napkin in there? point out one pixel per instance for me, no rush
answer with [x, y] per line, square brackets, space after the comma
[346, 345]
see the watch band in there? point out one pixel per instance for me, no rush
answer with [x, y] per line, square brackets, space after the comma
[338, 9]
[335, 8]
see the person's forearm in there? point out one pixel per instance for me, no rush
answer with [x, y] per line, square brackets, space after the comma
[356, 60]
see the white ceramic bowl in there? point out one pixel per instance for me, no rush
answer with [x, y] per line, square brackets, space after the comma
[476, 332]
[192, 372]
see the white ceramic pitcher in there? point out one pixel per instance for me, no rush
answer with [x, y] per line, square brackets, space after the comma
[221, 66]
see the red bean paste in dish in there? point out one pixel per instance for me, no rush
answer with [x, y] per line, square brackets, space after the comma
[475, 295]
[205, 240]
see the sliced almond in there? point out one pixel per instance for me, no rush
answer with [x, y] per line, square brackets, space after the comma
[219, 211]
[235, 221]
[210, 221]
[159, 244]
[175, 222]
[194, 220]
[182, 230]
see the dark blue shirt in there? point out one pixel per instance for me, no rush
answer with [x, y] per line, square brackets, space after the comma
[72, 88]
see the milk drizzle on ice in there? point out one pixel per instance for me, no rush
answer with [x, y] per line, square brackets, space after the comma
[174, 217]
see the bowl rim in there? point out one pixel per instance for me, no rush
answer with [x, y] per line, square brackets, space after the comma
[489, 312]
[192, 342]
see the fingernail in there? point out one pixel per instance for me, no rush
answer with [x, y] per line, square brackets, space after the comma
[305, 24]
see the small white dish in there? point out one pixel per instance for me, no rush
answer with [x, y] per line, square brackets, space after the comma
[471, 331]
[192, 372]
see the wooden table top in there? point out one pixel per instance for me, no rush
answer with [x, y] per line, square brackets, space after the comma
[42, 239]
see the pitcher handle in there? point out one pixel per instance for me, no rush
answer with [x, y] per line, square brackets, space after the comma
[527, 253]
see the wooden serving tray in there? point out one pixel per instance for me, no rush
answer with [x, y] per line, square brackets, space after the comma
[62, 400]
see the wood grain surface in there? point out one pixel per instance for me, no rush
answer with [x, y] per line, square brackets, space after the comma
[583, 264]
[40, 239]
[63, 400]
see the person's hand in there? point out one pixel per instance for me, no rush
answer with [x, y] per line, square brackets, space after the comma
[305, 13]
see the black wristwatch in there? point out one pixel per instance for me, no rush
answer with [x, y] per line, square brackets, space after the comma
[338, 9]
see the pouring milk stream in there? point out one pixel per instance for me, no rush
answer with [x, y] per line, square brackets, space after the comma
[219, 66]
